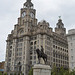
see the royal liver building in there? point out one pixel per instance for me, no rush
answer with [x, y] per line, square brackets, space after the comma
[28, 35]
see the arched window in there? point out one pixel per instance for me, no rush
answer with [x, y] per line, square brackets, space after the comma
[22, 31]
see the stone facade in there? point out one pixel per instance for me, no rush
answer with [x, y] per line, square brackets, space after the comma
[71, 47]
[28, 35]
[40, 69]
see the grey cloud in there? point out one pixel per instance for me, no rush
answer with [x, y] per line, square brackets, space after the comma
[45, 9]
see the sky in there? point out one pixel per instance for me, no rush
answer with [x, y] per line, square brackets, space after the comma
[48, 10]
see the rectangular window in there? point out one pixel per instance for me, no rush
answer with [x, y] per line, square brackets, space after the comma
[71, 44]
[72, 57]
[53, 60]
[48, 38]
[31, 48]
[34, 57]
[20, 49]
[20, 54]
[30, 62]
[30, 57]
[20, 40]
[72, 64]
[34, 62]
[70, 38]
[53, 46]
[35, 38]
[34, 51]
[23, 57]
[71, 50]
[31, 52]
[20, 58]
[34, 47]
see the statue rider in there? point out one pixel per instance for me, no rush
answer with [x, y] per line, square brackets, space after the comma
[42, 49]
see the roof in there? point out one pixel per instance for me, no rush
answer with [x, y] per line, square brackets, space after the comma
[71, 32]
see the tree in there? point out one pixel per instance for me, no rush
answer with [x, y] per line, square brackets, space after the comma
[67, 72]
[0, 73]
[30, 72]
[62, 71]
[54, 71]
[72, 72]
[5, 73]
[14, 73]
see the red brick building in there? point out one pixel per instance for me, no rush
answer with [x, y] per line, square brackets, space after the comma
[2, 66]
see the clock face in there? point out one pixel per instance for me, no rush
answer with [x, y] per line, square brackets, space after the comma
[23, 14]
[32, 15]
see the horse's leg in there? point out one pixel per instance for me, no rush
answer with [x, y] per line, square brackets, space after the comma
[44, 60]
[39, 60]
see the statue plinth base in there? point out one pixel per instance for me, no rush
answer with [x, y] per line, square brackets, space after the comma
[40, 69]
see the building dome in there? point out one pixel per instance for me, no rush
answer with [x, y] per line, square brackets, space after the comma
[43, 22]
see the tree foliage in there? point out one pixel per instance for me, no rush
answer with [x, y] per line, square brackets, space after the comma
[62, 71]
[54, 71]
[5, 73]
[30, 72]
[0, 73]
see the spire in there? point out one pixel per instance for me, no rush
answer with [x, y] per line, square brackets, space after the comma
[28, 4]
[59, 17]
[60, 24]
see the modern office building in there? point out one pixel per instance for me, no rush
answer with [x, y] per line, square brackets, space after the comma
[71, 48]
[28, 35]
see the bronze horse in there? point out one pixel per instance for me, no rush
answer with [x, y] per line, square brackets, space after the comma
[41, 55]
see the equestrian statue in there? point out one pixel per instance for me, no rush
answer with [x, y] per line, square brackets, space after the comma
[41, 54]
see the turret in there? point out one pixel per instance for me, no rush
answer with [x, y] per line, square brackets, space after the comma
[59, 29]
[27, 14]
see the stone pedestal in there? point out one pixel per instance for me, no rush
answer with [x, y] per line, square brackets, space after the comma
[40, 69]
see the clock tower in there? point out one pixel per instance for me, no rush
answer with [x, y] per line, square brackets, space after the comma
[27, 14]
[26, 22]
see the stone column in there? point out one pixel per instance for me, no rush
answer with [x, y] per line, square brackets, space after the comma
[40, 69]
